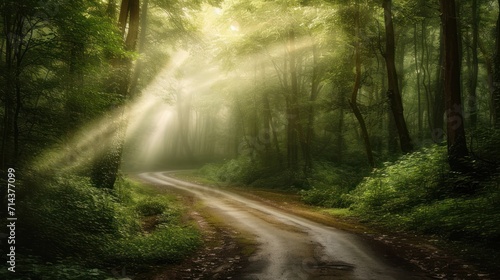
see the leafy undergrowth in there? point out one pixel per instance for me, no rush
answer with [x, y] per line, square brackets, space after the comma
[72, 230]
[419, 193]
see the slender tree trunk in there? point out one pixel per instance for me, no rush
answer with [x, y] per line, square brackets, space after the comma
[438, 105]
[310, 112]
[419, 95]
[457, 147]
[472, 102]
[496, 76]
[340, 129]
[270, 130]
[354, 95]
[142, 42]
[393, 92]
[292, 112]
[428, 74]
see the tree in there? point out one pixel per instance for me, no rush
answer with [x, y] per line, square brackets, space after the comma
[474, 64]
[105, 167]
[457, 146]
[496, 76]
[354, 95]
[393, 92]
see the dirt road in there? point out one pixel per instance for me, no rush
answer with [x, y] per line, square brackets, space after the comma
[291, 247]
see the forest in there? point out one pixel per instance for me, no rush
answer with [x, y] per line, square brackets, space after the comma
[387, 112]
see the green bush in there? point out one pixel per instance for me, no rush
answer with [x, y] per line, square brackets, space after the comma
[73, 227]
[419, 193]
[329, 185]
[414, 179]
[210, 171]
[151, 206]
[326, 196]
[66, 216]
[167, 244]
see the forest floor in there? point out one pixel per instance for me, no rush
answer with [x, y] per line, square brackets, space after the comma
[228, 250]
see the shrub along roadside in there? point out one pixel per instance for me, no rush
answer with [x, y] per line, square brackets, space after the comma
[418, 193]
[71, 230]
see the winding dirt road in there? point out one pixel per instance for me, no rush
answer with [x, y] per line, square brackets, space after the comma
[291, 247]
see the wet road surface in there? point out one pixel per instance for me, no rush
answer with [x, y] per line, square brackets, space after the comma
[291, 247]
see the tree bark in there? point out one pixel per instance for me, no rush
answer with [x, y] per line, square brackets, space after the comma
[496, 76]
[354, 96]
[419, 94]
[457, 147]
[393, 92]
[292, 106]
[438, 106]
[472, 101]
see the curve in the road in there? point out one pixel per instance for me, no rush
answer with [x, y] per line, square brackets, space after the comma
[291, 247]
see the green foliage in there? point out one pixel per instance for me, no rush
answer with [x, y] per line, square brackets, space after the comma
[414, 179]
[67, 216]
[242, 170]
[238, 170]
[77, 227]
[167, 244]
[419, 193]
[151, 206]
[460, 218]
[330, 185]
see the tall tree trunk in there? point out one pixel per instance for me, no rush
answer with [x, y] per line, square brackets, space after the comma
[315, 88]
[457, 147]
[496, 76]
[472, 102]
[428, 73]
[340, 128]
[354, 95]
[270, 130]
[292, 111]
[140, 49]
[419, 95]
[438, 104]
[393, 92]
